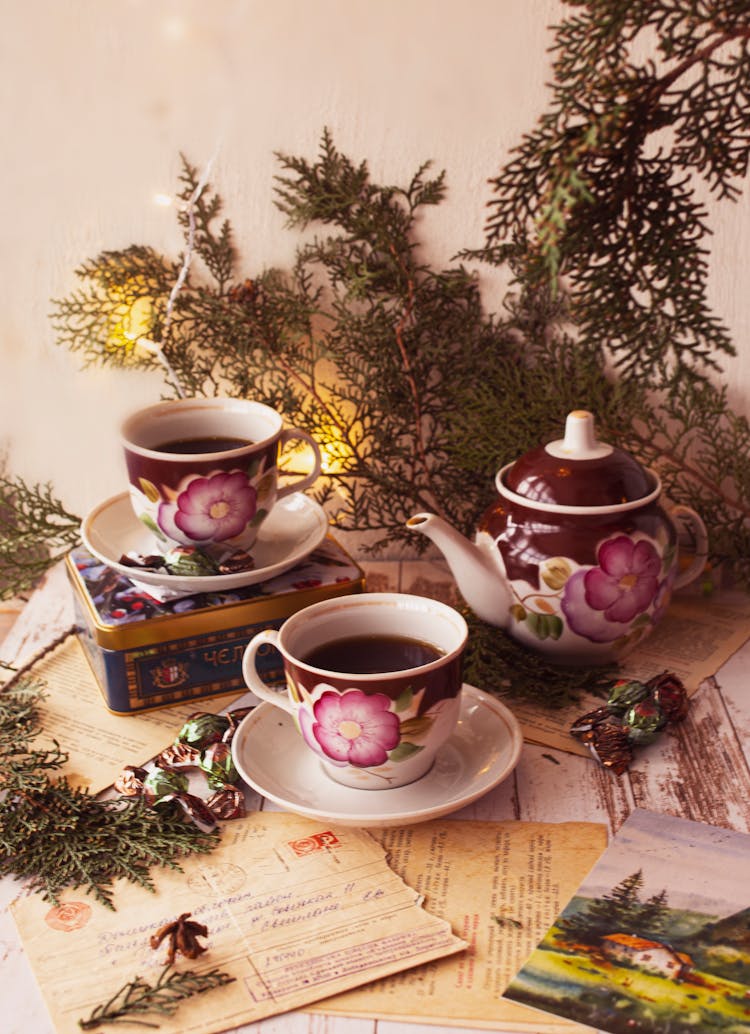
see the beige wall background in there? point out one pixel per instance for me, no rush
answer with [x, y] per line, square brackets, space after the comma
[99, 97]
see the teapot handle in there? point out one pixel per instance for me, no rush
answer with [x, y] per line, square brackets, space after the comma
[700, 536]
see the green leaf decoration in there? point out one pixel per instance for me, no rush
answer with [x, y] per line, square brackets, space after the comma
[556, 626]
[151, 524]
[403, 701]
[258, 517]
[544, 626]
[404, 751]
[417, 726]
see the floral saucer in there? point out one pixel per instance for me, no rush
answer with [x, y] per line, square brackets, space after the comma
[293, 529]
[271, 757]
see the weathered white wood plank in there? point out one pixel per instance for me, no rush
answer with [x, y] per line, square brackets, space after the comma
[48, 613]
[699, 768]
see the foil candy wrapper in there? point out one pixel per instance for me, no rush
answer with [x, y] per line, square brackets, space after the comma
[625, 693]
[216, 761]
[203, 728]
[634, 715]
[611, 747]
[203, 743]
[669, 693]
[643, 721]
[129, 783]
[227, 803]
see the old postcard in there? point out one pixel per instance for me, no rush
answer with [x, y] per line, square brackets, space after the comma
[499, 884]
[656, 937]
[295, 911]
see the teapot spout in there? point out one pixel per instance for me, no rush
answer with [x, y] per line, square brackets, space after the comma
[479, 572]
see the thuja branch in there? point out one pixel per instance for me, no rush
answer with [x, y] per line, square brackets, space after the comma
[36, 530]
[599, 193]
[138, 998]
[55, 836]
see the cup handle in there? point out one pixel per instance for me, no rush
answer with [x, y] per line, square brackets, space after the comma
[698, 529]
[279, 698]
[288, 435]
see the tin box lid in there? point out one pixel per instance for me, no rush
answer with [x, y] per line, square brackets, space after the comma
[122, 614]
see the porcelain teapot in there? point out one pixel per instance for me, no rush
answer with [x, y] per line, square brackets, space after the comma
[576, 557]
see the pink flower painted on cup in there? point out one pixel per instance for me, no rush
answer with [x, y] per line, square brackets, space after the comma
[353, 727]
[601, 602]
[215, 508]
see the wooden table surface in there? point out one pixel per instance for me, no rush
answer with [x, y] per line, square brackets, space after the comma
[700, 770]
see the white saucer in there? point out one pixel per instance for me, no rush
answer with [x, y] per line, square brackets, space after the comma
[293, 529]
[272, 758]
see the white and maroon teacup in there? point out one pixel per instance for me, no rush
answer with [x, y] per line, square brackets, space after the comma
[204, 471]
[373, 683]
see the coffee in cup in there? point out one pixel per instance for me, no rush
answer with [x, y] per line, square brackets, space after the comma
[204, 472]
[373, 683]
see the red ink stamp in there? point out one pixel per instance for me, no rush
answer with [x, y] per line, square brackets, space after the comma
[315, 842]
[68, 917]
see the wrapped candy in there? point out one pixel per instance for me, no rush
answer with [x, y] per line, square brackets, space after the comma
[669, 693]
[178, 755]
[634, 715]
[611, 747]
[190, 562]
[216, 761]
[643, 721]
[227, 803]
[234, 718]
[162, 784]
[584, 726]
[129, 783]
[236, 562]
[624, 694]
[202, 729]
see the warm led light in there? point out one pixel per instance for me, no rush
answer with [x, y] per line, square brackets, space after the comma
[130, 322]
[334, 451]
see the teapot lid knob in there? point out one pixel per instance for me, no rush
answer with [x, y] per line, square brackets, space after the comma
[580, 441]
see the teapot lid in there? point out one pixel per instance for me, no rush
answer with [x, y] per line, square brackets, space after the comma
[578, 471]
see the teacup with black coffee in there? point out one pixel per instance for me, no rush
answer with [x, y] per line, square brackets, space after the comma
[204, 472]
[373, 683]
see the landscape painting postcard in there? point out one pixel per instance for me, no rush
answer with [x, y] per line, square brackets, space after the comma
[657, 938]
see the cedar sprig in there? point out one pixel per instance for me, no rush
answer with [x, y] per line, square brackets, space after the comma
[138, 998]
[506, 668]
[604, 192]
[56, 836]
[36, 530]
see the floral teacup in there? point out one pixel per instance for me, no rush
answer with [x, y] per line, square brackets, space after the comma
[203, 471]
[370, 728]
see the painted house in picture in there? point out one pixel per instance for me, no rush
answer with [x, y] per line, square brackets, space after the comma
[649, 955]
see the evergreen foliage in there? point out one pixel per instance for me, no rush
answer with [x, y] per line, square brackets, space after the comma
[603, 190]
[35, 532]
[56, 836]
[138, 998]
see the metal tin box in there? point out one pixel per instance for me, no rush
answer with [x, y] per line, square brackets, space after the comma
[148, 652]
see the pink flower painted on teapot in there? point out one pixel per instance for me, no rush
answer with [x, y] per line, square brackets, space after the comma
[602, 603]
